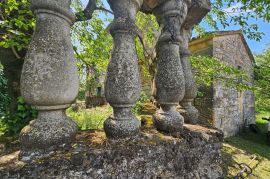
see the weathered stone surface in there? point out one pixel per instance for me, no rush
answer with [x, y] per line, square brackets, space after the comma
[196, 12]
[227, 109]
[122, 86]
[49, 79]
[194, 154]
[169, 78]
[190, 113]
[233, 110]
[51, 128]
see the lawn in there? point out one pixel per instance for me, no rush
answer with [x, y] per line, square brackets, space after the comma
[242, 148]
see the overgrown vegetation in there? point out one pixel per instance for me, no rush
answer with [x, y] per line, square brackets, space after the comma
[208, 69]
[4, 98]
[90, 118]
[12, 124]
[262, 81]
[139, 105]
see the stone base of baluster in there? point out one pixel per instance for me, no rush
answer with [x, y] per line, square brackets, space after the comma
[121, 129]
[168, 120]
[196, 153]
[52, 129]
[190, 114]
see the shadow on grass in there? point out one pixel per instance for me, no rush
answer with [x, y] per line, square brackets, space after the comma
[252, 143]
[243, 147]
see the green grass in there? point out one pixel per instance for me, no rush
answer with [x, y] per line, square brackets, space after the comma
[90, 118]
[241, 148]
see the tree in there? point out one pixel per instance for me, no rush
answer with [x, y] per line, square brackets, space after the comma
[17, 24]
[92, 46]
[209, 69]
[262, 81]
[16, 27]
[238, 12]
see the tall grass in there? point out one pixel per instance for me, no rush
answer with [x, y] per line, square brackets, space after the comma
[90, 118]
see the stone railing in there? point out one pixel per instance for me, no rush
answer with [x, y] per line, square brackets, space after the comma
[50, 81]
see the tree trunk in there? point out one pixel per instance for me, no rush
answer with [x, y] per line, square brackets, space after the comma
[12, 71]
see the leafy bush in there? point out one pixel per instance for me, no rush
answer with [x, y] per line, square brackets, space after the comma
[139, 105]
[4, 98]
[12, 124]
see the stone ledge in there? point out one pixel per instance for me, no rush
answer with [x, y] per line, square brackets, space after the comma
[194, 154]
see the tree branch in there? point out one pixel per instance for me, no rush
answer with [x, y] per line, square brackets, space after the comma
[104, 9]
[87, 13]
[15, 53]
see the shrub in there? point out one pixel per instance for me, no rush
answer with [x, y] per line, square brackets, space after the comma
[4, 98]
[139, 105]
[12, 124]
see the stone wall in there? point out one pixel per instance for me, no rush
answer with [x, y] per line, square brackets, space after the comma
[226, 110]
[232, 109]
[205, 104]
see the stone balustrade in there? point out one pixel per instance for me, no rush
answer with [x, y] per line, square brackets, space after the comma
[49, 79]
[196, 12]
[122, 86]
[169, 78]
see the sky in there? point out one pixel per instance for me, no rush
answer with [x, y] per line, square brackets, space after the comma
[256, 47]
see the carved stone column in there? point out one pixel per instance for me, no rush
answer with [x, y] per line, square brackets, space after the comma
[196, 12]
[122, 87]
[190, 113]
[169, 79]
[49, 79]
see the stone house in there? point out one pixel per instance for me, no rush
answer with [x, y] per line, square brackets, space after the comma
[227, 109]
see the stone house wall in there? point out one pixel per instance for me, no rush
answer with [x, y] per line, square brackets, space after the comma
[231, 109]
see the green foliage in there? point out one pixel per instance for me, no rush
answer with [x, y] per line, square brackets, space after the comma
[16, 24]
[11, 124]
[4, 98]
[150, 30]
[92, 44]
[239, 12]
[139, 105]
[262, 81]
[209, 69]
[90, 118]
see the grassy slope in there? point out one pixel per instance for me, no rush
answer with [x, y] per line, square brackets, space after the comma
[242, 148]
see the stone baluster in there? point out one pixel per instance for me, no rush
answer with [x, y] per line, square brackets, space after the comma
[49, 79]
[169, 79]
[189, 112]
[197, 10]
[122, 86]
